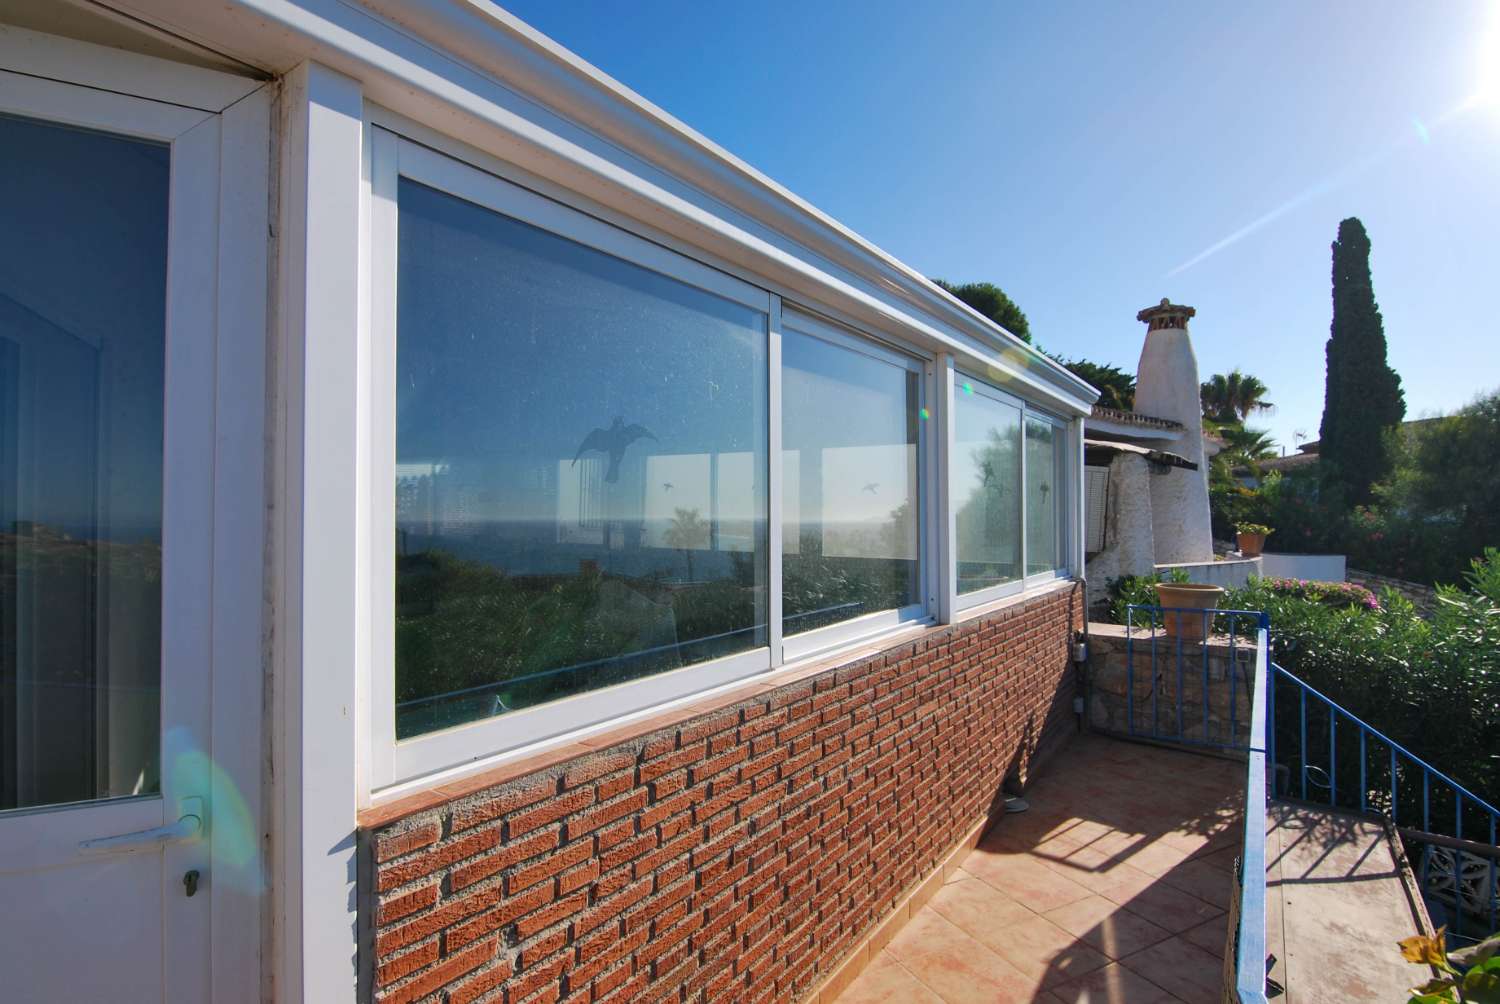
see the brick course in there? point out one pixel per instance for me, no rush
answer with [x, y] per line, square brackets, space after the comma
[737, 855]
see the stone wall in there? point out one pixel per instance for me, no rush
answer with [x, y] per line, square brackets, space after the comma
[1121, 665]
[1424, 598]
[738, 853]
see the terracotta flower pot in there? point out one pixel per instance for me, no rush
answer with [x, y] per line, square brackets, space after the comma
[1188, 596]
[1251, 543]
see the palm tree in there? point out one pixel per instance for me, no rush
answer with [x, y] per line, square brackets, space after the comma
[1230, 398]
[687, 533]
[1252, 444]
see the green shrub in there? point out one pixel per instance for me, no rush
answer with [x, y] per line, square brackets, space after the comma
[1431, 684]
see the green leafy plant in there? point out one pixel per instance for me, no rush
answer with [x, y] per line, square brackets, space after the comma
[1471, 975]
[1260, 528]
[1138, 590]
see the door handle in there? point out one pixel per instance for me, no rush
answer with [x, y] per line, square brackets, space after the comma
[188, 826]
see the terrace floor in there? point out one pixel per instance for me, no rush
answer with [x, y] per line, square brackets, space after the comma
[1113, 887]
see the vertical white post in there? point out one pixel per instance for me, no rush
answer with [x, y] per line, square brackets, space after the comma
[1077, 500]
[945, 557]
[324, 545]
[239, 588]
[774, 481]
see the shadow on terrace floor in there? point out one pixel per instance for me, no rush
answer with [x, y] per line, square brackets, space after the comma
[1113, 887]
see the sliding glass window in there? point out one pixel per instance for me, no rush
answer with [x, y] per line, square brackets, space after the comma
[851, 515]
[986, 488]
[1044, 495]
[580, 467]
[1008, 481]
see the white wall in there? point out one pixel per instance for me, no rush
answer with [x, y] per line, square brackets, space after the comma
[1129, 547]
[1230, 574]
[1319, 567]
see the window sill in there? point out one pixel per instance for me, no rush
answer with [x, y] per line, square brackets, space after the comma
[430, 792]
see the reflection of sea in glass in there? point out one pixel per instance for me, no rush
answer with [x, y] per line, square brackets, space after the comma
[1043, 476]
[83, 230]
[581, 468]
[849, 496]
[986, 487]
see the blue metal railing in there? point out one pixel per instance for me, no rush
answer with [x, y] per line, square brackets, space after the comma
[1335, 770]
[1332, 757]
[1250, 937]
[1166, 640]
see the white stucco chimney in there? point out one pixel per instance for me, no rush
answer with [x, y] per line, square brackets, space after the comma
[1167, 386]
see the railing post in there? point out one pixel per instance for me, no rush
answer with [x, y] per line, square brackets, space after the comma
[1302, 753]
[1333, 757]
[1364, 788]
[1270, 671]
[1180, 736]
[1394, 795]
[1130, 670]
[1458, 856]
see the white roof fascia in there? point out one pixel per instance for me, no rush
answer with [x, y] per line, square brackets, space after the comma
[477, 73]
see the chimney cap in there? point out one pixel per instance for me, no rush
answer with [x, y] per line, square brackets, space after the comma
[1166, 315]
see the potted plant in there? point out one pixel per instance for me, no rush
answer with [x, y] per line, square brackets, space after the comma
[1181, 602]
[1251, 538]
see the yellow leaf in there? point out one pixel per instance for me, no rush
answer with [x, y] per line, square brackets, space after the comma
[1421, 949]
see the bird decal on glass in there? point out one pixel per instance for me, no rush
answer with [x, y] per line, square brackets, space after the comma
[872, 487]
[612, 441]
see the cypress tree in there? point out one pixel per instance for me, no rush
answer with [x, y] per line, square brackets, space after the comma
[1362, 395]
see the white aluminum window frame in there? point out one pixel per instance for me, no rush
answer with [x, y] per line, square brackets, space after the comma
[808, 644]
[1025, 583]
[393, 767]
[1065, 495]
[391, 158]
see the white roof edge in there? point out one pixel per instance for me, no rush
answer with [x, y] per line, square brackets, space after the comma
[804, 219]
[421, 51]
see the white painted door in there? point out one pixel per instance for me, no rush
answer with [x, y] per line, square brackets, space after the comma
[109, 208]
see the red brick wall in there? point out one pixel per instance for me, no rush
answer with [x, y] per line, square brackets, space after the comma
[735, 856]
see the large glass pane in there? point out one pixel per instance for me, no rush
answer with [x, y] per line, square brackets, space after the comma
[986, 487]
[580, 468]
[849, 499]
[83, 253]
[1043, 495]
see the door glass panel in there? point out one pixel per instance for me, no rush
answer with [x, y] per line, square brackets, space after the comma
[849, 490]
[581, 468]
[83, 255]
[986, 487]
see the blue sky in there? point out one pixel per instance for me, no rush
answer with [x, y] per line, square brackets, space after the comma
[1079, 155]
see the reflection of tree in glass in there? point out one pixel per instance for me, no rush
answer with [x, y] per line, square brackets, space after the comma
[464, 624]
[818, 589]
[688, 533]
[988, 519]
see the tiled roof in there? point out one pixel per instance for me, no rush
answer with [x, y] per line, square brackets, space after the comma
[1132, 418]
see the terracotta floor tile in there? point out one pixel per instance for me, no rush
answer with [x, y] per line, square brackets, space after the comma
[1024, 879]
[1044, 951]
[1107, 927]
[1114, 984]
[1212, 935]
[885, 980]
[1156, 857]
[1181, 968]
[1171, 908]
[1210, 884]
[978, 907]
[955, 966]
[1123, 883]
[1104, 891]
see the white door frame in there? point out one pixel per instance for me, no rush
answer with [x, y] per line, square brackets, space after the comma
[213, 656]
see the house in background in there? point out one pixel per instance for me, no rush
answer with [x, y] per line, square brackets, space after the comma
[468, 536]
[1146, 470]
